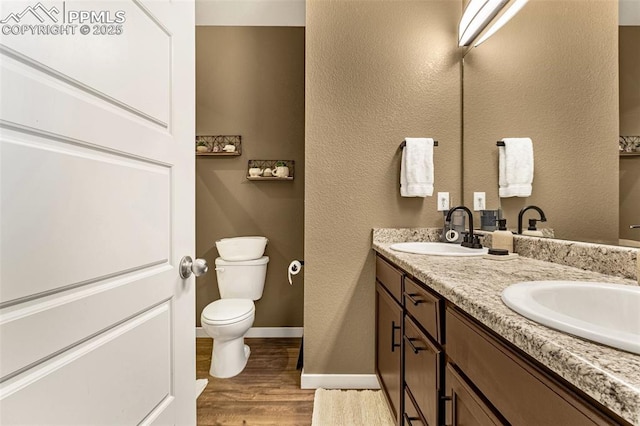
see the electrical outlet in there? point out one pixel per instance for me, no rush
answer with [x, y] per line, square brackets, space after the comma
[479, 201]
[443, 201]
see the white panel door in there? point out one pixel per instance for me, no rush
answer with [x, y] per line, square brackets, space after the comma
[96, 211]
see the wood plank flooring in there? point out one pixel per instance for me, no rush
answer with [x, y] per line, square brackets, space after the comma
[267, 392]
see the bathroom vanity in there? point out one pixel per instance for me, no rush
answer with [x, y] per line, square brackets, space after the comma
[449, 352]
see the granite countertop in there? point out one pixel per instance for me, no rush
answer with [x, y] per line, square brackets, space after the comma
[610, 376]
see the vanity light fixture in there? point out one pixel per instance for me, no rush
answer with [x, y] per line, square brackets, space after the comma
[506, 17]
[475, 18]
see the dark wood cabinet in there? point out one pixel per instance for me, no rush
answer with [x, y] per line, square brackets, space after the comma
[390, 278]
[425, 307]
[439, 366]
[519, 390]
[388, 344]
[465, 406]
[422, 371]
[411, 413]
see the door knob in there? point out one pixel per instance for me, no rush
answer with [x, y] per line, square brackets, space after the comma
[187, 266]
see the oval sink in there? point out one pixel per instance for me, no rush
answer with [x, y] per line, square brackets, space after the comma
[438, 249]
[602, 312]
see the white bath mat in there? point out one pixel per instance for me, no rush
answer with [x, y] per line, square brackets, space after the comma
[350, 408]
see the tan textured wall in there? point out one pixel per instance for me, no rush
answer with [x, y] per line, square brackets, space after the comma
[377, 71]
[629, 80]
[630, 126]
[250, 81]
[550, 74]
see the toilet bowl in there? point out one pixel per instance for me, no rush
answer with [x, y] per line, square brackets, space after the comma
[227, 321]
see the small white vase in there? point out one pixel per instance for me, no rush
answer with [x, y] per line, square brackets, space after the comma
[281, 172]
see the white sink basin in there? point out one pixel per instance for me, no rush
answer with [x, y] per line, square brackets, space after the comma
[601, 312]
[438, 249]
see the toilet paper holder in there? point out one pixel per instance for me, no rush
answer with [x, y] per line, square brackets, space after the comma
[295, 266]
[294, 269]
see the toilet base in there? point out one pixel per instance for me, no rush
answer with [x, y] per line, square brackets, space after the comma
[228, 358]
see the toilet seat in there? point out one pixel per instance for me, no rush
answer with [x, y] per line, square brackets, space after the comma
[227, 311]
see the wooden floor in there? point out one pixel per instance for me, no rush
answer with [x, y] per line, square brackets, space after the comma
[267, 392]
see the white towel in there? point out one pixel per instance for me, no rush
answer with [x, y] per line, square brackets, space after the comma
[416, 171]
[515, 167]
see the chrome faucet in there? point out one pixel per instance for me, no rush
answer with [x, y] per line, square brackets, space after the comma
[470, 240]
[536, 208]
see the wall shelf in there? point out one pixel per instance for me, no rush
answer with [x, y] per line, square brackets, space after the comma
[218, 154]
[629, 146]
[269, 178]
[271, 165]
[215, 145]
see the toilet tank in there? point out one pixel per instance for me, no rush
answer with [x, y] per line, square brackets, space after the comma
[242, 279]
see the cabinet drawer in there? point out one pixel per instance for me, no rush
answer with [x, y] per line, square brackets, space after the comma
[424, 307]
[422, 375]
[465, 407]
[533, 397]
[411, 415]
[390, 277]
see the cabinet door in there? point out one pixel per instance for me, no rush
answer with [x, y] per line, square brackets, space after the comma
[465, 406]
[411, 415]
[421, 371]
[508, 380]
[388, 336]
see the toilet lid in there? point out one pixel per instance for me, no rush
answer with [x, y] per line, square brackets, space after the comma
[226, 311]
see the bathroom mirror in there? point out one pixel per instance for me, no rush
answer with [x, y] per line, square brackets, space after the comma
[551, 74]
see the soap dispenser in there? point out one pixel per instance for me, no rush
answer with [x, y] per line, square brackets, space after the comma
[502, 239]
[532, 231]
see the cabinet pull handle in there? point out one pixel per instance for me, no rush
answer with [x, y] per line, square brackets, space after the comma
[408, 419]
[394, 327]
[413, 300]
[410, 341]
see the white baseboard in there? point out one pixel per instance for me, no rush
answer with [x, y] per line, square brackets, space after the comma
[200, 385]
[339, 381]
[264, 332]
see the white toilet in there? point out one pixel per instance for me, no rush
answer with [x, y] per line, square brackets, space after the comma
[227, 320]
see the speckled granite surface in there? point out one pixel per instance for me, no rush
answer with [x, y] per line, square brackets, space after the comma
[399, 235]
[610, 376]
[610, 260]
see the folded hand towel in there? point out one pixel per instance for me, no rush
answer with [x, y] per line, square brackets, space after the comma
[515, 167]
[416, 171]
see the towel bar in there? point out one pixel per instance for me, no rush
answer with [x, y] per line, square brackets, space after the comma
[404, 143]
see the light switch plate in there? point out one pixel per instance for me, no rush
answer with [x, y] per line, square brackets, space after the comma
[443, 201]
[479, 201]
